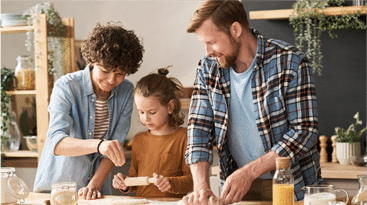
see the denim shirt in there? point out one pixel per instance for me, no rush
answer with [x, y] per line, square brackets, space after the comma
[72, 113]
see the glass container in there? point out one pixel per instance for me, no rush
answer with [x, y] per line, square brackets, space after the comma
[361, 197]
[12, 138]
[63, 193]
[322, 194]
[25, 73]
[12, 187]
[283, 183]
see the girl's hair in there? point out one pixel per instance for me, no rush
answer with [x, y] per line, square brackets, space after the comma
[165, 89]
[114, 47]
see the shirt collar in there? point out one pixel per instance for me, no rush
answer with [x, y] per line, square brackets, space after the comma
[261, 51]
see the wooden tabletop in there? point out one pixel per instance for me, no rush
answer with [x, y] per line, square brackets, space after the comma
[39, 199]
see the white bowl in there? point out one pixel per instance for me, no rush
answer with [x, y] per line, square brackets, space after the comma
[31, 142]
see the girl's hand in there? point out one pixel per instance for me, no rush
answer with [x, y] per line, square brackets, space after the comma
[162, 182]
[114, 151]
[118, 182]
[89, 192]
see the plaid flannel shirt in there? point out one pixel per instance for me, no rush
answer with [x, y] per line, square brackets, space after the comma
[285, 98]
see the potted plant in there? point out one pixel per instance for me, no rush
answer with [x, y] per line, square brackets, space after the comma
[309, 21]
[7, 78]
[55, 34]
[348, 141]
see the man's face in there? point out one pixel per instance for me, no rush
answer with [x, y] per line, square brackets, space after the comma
[218, 44]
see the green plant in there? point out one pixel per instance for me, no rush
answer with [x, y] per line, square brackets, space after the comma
[7, 79]
[352, 134]
[55, 32]
[310, 21]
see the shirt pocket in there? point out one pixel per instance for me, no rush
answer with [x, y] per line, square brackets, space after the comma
[169, 163]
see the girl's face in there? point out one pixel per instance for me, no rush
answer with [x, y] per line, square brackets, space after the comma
[105, 79]
[153, 114]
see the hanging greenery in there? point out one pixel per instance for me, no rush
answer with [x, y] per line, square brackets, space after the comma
[310, 21]
[7, 78]
[55, 32]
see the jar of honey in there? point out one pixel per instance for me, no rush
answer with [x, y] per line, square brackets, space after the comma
[63, 193]
[25, 73]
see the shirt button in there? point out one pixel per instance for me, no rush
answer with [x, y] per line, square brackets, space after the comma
[91, 117]
[92, 100]
[90, 133]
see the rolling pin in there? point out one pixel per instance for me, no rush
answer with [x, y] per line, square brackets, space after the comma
[139, 181]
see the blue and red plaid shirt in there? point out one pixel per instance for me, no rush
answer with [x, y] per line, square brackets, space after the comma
[284, 94]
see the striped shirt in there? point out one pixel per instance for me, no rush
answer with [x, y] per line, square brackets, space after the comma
[284, 95]
[102, 119]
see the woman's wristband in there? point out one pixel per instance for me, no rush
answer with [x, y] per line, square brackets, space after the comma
[100, 142]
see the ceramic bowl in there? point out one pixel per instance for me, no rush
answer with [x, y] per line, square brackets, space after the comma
[31, 142]
[357, 161]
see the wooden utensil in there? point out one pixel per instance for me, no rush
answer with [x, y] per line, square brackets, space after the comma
[139, 181]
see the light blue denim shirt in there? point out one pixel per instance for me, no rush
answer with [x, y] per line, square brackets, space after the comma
[72, 112]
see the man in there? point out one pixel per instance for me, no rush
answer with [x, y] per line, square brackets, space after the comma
[256, 99]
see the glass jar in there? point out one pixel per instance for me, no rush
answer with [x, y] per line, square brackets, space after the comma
[361, 197]
[11, 141]
[63, 193]
[12, 187]
[24, 73]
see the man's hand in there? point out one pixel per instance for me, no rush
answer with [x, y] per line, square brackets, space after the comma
[200, 197]
[114, 151]
[236, 186]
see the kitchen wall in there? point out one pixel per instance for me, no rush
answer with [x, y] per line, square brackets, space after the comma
[341, 90]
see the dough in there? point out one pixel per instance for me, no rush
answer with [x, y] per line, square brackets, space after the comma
[124, 201]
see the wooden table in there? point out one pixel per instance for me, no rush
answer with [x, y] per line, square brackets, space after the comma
[39, 199]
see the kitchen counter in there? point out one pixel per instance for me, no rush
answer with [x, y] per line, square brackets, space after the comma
[39, 199]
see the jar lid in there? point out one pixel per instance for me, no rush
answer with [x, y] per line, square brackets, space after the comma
[7, 169]
[283, 162]
[64, 185]
[17, 188]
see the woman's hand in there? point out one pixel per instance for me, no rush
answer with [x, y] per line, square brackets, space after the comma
[118, 182]
[89, 192]
[161, 182]
[114, 151]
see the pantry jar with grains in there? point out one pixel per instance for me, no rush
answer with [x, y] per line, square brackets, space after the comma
[25, 73]
[63, 193]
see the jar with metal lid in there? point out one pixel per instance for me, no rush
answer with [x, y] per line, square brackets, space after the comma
[12, 187]
[63, 193]
[24, 73]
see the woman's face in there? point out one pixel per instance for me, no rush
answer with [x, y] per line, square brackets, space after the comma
[105, 79]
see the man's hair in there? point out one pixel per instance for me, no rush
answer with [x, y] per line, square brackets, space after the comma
[114, 47]
[222, 13]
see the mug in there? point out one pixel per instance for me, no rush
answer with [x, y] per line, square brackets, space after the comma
[321, 194]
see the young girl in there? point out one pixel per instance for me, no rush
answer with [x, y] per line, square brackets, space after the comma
[159, 152]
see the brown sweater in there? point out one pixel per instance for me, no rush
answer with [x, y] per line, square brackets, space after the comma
[163, 155]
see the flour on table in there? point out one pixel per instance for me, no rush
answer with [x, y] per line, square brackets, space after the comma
[120, 201]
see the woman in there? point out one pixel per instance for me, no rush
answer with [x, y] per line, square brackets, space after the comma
[90, 113]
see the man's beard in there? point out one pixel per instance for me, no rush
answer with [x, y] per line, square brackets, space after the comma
[231, 59]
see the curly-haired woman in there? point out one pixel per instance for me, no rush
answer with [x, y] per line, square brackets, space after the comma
[90, 113]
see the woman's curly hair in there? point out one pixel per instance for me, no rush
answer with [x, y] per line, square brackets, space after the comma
[114, 47]
[165, 89]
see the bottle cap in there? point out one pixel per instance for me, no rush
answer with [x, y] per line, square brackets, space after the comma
[283, 162]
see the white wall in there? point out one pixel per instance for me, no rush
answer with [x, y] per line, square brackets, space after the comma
[161, 25]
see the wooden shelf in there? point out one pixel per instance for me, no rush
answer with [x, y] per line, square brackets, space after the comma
[286, 13]
[21, 153]
[22, 92]
[16, 29]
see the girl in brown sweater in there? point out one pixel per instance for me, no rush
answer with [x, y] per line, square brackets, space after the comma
[159, 152]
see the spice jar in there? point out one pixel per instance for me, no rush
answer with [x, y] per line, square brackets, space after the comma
[24, 73]
[63, 193]
[12, 187]
[361, 197]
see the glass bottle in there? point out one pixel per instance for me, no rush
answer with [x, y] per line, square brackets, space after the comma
[361, 197]
[283, 183]
[11, 141]
[24, 73]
